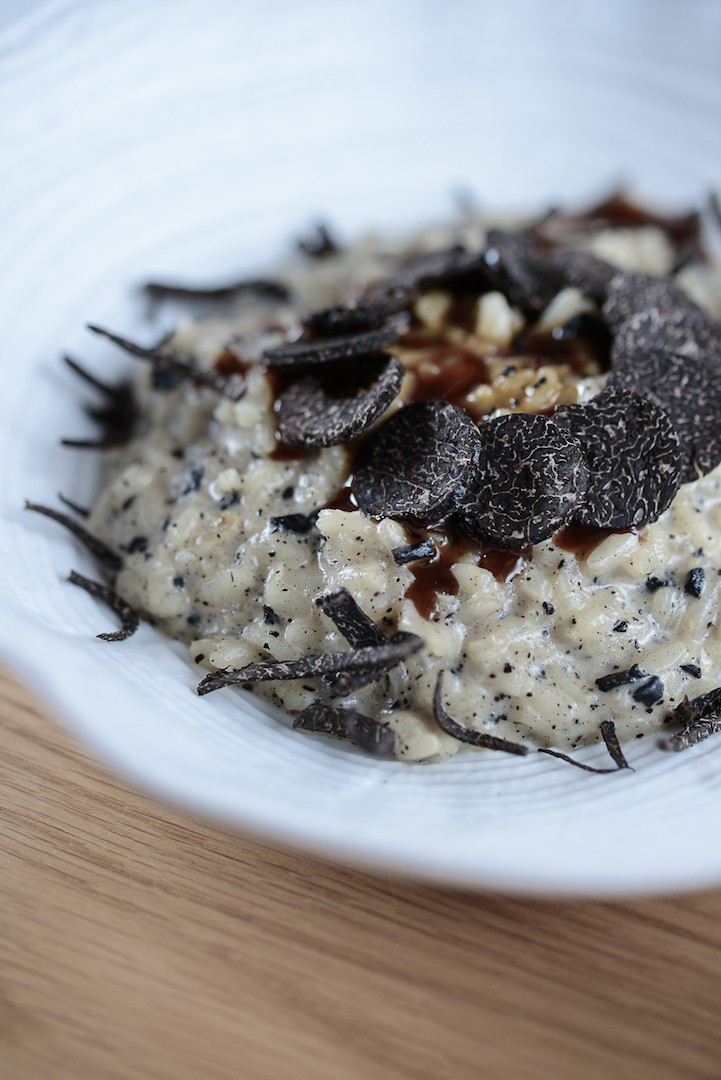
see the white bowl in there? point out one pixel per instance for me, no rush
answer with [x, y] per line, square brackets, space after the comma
[196, 140]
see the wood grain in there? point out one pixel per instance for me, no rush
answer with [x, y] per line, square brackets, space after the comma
[136, 942]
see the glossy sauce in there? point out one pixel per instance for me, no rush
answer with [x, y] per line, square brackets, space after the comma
[461, 371]
[504, 565]
[581, 540]
[229, 363]
[286, 453]
[344, 499]
[434, 576]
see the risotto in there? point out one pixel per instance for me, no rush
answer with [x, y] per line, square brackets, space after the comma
[458, 452]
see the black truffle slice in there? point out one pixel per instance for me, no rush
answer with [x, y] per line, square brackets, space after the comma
[378, 658]
[532, 482]
[634, 455]
[700, 718]
[334, 407]
[584, 270]
[469, 735]
[630, 293]
[519, 269]
[128, 617]
[678, 331]
[373, 736]
[305, 354]
[689, 392]
[419, 464]
[356, 627]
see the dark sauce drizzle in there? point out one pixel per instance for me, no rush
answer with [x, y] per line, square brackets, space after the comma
[434, 576]
[581, 540]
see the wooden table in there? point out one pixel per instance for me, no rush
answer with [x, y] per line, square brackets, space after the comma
[137, 943]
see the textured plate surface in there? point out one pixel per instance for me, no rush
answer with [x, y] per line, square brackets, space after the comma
[170, 140]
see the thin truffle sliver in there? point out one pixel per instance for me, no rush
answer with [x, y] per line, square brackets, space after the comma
[371, 658]
[335, 407]
[304, 354]
[634, 455]
[128, 617]
[356, 627]
[172, 370]
[265, 288]
[587, 272]
[516, 260]
[700, 718]
[532, 481]
[467, 735]
[373, 736]
[396, 294]
[418, 465]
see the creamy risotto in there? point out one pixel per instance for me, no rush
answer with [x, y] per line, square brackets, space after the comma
[232, 518]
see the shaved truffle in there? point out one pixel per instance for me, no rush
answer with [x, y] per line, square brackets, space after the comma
[532, 481]
[634, 455]
[584, 270]
[169, 371]
[356, 627]
[677, 331]
[419, 464]
[390, 296]
[333, 408]
[303, 354]
[518, 268]
[264, 288]
[128, 617]
[629, 293]
[469, 735]
[378, 658]
[689, 392]
[699, 718]
[373, 736]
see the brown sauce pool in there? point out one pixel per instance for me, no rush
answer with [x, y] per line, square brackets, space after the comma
[435, 576]
[581, 540]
